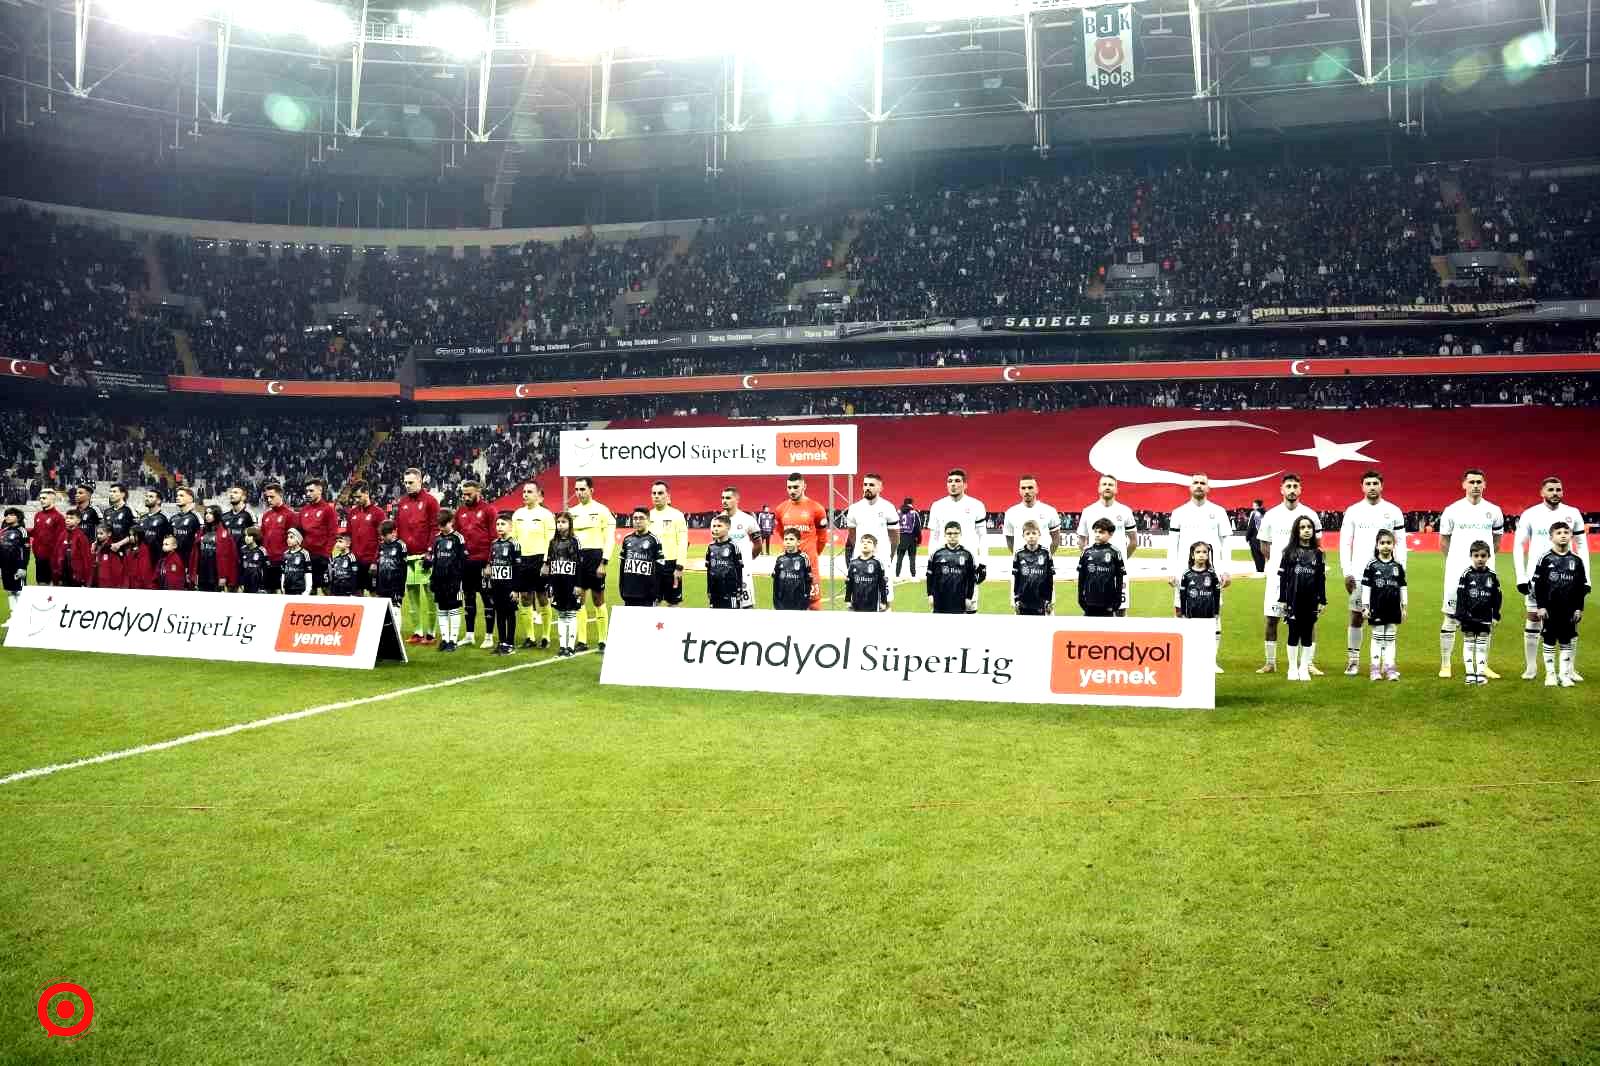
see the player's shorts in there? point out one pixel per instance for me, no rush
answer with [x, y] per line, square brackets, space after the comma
[1355, 600]
[1270, 607]
[749, 599]
[590, 560]
[1449, 605]
[634, 601]
[272, 577]
[472, 583]
[1096, 612]
[10, 580]
[1530, 601]
[415, 574]
[42, 574]
[668, 590]
[319, 573]
[530, 574]
[446, 594]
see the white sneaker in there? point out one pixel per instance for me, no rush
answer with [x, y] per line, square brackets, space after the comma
[1218, 668]
[1550, 681]
[1354, 670]
[1268, 668]
[1444, 671]
[1375, 675]
[1570, 673]
[488, 641]
[1310, 672]
[1490, 675]
[1391, 674]
[1530, 674]
[1566, 681]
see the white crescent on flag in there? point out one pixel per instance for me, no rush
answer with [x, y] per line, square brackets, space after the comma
[1300, 367]
[1117, 453]
[274, 388]
[15, 363]
[1011, 373]
[521, 395]
[748, 381]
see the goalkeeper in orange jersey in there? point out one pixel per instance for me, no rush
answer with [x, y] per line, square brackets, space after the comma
[809, 519]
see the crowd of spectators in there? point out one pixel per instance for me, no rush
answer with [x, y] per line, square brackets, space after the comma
[740, 268]
[498, 457]
[69, 297]
[41, 447]
[1179, 237]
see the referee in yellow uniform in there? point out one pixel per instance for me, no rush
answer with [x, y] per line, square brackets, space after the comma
[596, 529]
[531, 527]
[672, 530]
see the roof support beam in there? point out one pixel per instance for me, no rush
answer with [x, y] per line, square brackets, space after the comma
[1364, 24]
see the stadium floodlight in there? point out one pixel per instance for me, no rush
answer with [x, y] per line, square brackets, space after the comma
[154, 16]
[319, 21]
[567, 29]
[451, 28]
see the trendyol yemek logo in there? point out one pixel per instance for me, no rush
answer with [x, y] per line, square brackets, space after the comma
[1116, 663]
[318, 629]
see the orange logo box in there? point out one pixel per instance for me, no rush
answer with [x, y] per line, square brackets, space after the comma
[1116, 663]
[318, 629]
[816, 448]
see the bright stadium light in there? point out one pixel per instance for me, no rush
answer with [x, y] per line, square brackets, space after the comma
[568, 29]
[319, 21]
[451, 28]
[154, 16]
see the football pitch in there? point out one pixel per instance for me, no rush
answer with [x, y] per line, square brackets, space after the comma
[531, 868]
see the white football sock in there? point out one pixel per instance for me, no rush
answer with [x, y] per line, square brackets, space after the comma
[1550, 660]
[1308, 655]
[1272, 653]
[1391, 639]
[1567, 653]
[1352, 643]
[1530, 647]
[1447, 643]
[1294, 661]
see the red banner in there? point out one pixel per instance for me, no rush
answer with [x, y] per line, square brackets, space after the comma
[285, 388]
[1152, 451]
[1172, 370]
[25, 368]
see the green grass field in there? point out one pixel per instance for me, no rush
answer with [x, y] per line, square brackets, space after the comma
[531, 868]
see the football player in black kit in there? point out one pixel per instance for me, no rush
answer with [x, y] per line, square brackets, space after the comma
[867, 582]
[1199, 591]
[1101, 573]
[724, 567]
[1033, 575]
[500, 581]
[445, 562]
[344, 569]
[641, 553]
[1383, 605]
[120, 517]
[186, 523]
[791, 576]
[952, 575]
[236, 517]
[152, 529]
[1560, 585]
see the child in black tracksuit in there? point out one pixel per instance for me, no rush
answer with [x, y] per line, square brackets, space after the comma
[724, 568]
[1033, 575]
[344, 572]
[641, 555]
[389, 569]
[296, 568]
[1560, 585]
[866, 581]
[1303, 591]
[1477, 610]
[1101, 574]
[446, 562]
[1199, 592]
[561, 583]
[791, 576]
[253, 563]
[500, 577]
[952, 575]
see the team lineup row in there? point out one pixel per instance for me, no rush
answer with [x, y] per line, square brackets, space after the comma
[305, 550]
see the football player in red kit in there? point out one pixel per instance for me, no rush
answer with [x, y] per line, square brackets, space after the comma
[364, 523]
[319, 525]
[276, 521]
[416, 522]
[475, 520]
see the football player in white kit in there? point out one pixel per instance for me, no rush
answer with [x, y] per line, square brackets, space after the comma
[1277, 527]
[969, 513]
[1031, 509]
[1197, 519]
[1358, 540]
[872, 514]
[744, 531]
[1125, 540]
[1471, 518]
[1531, 544]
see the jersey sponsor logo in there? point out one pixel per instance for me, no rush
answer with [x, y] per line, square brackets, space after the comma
[563, 568]
[1116, 664]
[645, 567]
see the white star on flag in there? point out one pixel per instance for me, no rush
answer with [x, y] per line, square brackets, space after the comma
[1327, 452]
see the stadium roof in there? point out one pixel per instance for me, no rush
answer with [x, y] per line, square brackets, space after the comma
[502, 88]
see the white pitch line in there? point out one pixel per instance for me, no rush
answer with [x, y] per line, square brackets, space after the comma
[262, 723]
